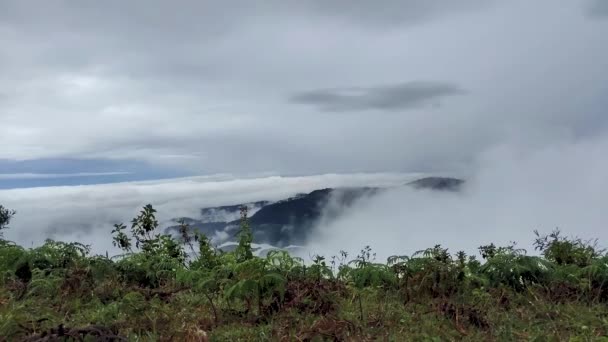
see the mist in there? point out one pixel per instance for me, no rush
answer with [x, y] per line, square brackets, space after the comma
[511, 192]
[87, 213]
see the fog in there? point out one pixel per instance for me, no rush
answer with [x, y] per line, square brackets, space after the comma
[87, 213]
[510, 95]
[511, 192]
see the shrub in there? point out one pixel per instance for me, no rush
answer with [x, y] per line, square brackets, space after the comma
[566, 251]
[5, 218]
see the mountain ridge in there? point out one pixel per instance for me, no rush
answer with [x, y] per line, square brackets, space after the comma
[291, 220]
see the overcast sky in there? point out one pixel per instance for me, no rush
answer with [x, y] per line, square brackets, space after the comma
[510, 94]
[151, 89]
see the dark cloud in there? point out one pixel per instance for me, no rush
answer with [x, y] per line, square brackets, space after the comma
[388, 97]
[390, 12]
[210, 18]
[598, 9]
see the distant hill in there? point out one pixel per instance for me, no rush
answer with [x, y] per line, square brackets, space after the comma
[289, 221]
[437, 183]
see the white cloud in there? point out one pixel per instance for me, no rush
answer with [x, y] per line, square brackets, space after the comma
[86, 213]
[513, 192]
[212, 95]
[106, 80]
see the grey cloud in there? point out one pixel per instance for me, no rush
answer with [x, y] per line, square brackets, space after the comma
[598, 9]
[388, 97]
[202, 84]
[175, 42]
[212, 18]
[391, 12]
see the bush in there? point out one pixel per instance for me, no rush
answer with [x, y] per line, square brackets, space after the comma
[5, 218]
[156, 291]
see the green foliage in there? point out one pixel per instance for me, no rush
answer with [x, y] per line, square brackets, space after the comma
[565, 251]
[489, 251]
[11, 257]
[243, 250]
[516, 271]
[366, 273]
[5, 218]
[155, 291]
[120, 239]
[281, 262]
[143, 226]
[148, 270]
[207, 254]
[319, 269]
[160, 254]
[254, 281]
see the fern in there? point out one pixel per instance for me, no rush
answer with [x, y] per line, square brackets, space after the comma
[243, 251]
[43, 284]
[281, 262]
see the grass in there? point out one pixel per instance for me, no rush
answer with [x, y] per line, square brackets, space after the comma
[154, 292]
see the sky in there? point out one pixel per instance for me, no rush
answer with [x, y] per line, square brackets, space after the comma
[157, 89]
[118, 92]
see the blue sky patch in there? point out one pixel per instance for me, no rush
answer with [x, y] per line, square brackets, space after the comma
[65, 171]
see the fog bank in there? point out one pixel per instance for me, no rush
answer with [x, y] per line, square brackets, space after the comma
[512, 192]
[87, 213]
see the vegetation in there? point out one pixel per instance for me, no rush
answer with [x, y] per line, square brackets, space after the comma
[5, 218]
[182, 288]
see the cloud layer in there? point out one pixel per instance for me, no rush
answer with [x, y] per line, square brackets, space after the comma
[598, 9]
[87, 213]
[207, 87]
[201, 87]
[513, 193]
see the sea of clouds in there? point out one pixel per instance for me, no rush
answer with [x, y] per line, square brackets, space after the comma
[510, 192]
[87, 213]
